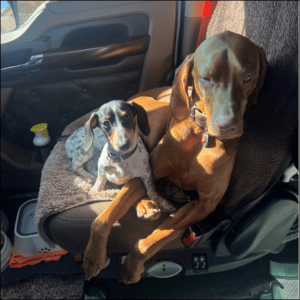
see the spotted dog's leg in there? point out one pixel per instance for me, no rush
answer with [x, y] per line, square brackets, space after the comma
[151, 209]
[78, 168]
[100, 182]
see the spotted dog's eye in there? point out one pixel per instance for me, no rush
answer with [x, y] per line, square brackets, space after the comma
[106, 124]
[247, 79]
[126, 118]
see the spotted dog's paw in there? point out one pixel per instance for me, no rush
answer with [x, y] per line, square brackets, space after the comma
[90, 180]
[93, 192]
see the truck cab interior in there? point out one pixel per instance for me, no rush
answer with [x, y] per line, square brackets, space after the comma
[70, 57]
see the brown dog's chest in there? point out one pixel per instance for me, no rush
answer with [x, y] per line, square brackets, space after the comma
[190, 162]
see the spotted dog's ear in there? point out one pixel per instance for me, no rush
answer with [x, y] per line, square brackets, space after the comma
[142, 118]
[88, 131]
[262, 74]
[179, 97]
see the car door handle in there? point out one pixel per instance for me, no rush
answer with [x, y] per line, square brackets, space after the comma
[33, 65]
[68, 58]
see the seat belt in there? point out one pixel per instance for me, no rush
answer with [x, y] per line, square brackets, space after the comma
[206, 9]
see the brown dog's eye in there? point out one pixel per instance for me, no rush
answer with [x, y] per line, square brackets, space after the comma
[247, 79]
[205, 80]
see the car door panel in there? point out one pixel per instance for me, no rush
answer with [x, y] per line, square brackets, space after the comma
[74, 57]
[90, 45]
[58, 19]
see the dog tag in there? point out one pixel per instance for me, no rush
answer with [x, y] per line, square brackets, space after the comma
[205, 139]
[110, 170]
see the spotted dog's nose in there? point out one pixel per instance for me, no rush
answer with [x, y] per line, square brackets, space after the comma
[124, 146]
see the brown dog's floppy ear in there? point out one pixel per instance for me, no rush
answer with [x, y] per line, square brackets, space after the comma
[179, 97]
[88, 131]
[142, 118]
[261, 78]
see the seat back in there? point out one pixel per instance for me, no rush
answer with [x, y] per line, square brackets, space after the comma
[271, 125]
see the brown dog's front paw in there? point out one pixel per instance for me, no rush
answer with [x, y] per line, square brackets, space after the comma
[131, 271]
[93, 262]
[148, 210]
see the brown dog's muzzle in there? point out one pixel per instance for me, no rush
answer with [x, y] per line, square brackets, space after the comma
[224, 110]
[226, 122]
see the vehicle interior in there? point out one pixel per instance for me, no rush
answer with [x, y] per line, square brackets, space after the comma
[71, 57]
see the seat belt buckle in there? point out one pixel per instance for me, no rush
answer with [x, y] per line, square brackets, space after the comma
[192, 236]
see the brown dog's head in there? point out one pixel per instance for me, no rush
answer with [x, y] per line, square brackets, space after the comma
[228, 72]
[117, 119]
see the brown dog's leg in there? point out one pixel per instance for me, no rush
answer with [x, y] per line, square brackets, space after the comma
[94, 259]
[171, 228]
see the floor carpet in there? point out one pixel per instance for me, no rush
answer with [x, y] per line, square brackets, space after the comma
[45, 287]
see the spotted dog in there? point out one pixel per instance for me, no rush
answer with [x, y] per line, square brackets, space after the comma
[123, 155]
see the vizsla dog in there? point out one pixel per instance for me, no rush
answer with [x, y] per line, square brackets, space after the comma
[194, 148]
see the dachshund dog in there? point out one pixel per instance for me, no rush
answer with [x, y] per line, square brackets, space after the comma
[124, 155]
[110, 148]
[195, 148]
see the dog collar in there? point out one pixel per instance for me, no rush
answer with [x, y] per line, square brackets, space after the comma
[119, 158]
[200, 119]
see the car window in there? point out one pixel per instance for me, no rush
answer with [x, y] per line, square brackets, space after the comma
[14, 14]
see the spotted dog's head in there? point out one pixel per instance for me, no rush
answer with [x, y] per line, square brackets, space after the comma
[118, 120]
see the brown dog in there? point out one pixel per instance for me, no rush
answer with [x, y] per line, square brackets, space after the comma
[195, 147]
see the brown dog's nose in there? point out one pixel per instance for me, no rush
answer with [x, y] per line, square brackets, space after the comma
[226, 125]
